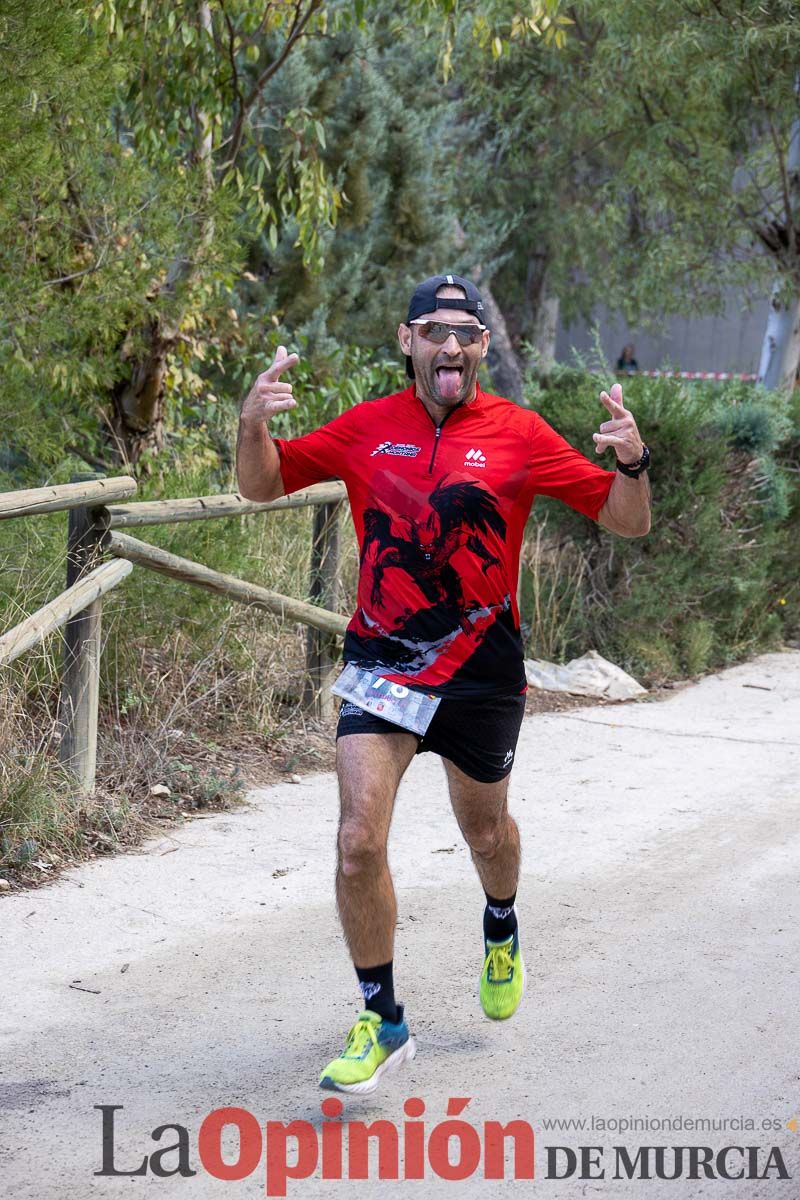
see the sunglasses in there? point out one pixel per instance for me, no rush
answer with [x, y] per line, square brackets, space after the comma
[439, 332]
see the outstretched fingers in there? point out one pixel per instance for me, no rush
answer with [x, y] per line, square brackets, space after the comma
[620, 431]
[613, 402]
[280, 363]
[603, 440]
[268, 395]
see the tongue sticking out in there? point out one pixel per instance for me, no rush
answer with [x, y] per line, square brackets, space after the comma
[449, 382]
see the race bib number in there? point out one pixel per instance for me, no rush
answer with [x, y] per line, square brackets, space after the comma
[390, 701]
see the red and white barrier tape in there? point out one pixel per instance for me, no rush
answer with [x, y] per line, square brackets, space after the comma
[691, 375]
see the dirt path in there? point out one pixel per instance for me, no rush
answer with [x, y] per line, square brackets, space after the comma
[659, 912]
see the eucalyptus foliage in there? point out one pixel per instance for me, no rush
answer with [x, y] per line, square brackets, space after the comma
[645, 165]
[179, 183]
[146, 151]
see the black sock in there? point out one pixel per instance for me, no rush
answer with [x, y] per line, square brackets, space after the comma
[499, 919]
[377, 988]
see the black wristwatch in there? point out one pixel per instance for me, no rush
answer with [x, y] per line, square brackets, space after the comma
[633, 470]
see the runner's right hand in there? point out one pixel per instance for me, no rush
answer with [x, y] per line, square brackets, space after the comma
[268, 395]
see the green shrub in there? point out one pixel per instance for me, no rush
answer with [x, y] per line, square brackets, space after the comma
[715, 580]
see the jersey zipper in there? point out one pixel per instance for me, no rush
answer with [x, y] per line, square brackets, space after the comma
[437, 435]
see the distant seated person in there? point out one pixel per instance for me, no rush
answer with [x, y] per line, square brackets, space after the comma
[626, 360]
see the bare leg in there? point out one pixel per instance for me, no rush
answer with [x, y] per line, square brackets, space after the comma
[370, 767]
[489, 830]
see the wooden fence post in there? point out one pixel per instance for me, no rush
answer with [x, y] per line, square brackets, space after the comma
[80, 685]
[322, 652]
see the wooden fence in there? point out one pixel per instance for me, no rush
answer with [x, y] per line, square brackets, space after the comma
[95, 516]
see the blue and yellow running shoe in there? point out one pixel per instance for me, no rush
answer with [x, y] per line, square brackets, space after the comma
[374, 1046]
[502, 978]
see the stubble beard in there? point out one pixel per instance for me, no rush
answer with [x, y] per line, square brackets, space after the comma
[430, 382]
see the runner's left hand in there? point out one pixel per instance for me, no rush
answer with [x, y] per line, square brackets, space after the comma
[620, 432]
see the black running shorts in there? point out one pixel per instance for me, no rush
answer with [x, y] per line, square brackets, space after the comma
[479, 736]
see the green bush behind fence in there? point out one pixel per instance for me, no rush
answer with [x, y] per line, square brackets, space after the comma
[717, 577]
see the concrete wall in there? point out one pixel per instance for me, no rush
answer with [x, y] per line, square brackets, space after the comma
[731, 342]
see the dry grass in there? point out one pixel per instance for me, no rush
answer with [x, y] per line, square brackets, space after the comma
[552, 570]
[198, 695]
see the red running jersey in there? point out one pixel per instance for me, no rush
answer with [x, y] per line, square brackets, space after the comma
[439, 515]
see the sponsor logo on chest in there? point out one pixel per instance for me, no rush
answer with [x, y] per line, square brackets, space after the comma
[475, 458]
[398, 449]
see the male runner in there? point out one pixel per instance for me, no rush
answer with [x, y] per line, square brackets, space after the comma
[441, 477]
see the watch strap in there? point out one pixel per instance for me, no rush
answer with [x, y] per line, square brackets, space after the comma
[635, 469]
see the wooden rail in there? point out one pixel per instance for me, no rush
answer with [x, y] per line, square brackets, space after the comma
[94, 511]
[81, 494]
[203, 508]
[165, 563]
[55, 613]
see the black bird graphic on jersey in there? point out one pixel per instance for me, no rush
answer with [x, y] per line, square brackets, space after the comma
[460, 513]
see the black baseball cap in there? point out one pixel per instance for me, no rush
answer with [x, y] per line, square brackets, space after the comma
[425, 300]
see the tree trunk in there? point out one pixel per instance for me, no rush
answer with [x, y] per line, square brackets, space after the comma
[780, 350]
[541, 315]
[138, 417]
[545, 327]
[138, 421]
[503, 365]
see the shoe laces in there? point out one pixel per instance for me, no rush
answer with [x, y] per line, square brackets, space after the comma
[501, 963]
[362, 1032]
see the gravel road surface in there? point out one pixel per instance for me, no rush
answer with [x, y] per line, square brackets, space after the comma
[659, 912]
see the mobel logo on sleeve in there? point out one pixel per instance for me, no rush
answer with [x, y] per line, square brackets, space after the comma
[390, 701]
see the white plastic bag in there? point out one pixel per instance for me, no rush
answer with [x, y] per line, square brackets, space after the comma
[589, 675]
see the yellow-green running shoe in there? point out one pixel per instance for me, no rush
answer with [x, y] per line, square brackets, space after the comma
[502, 978]
[374, 1046]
